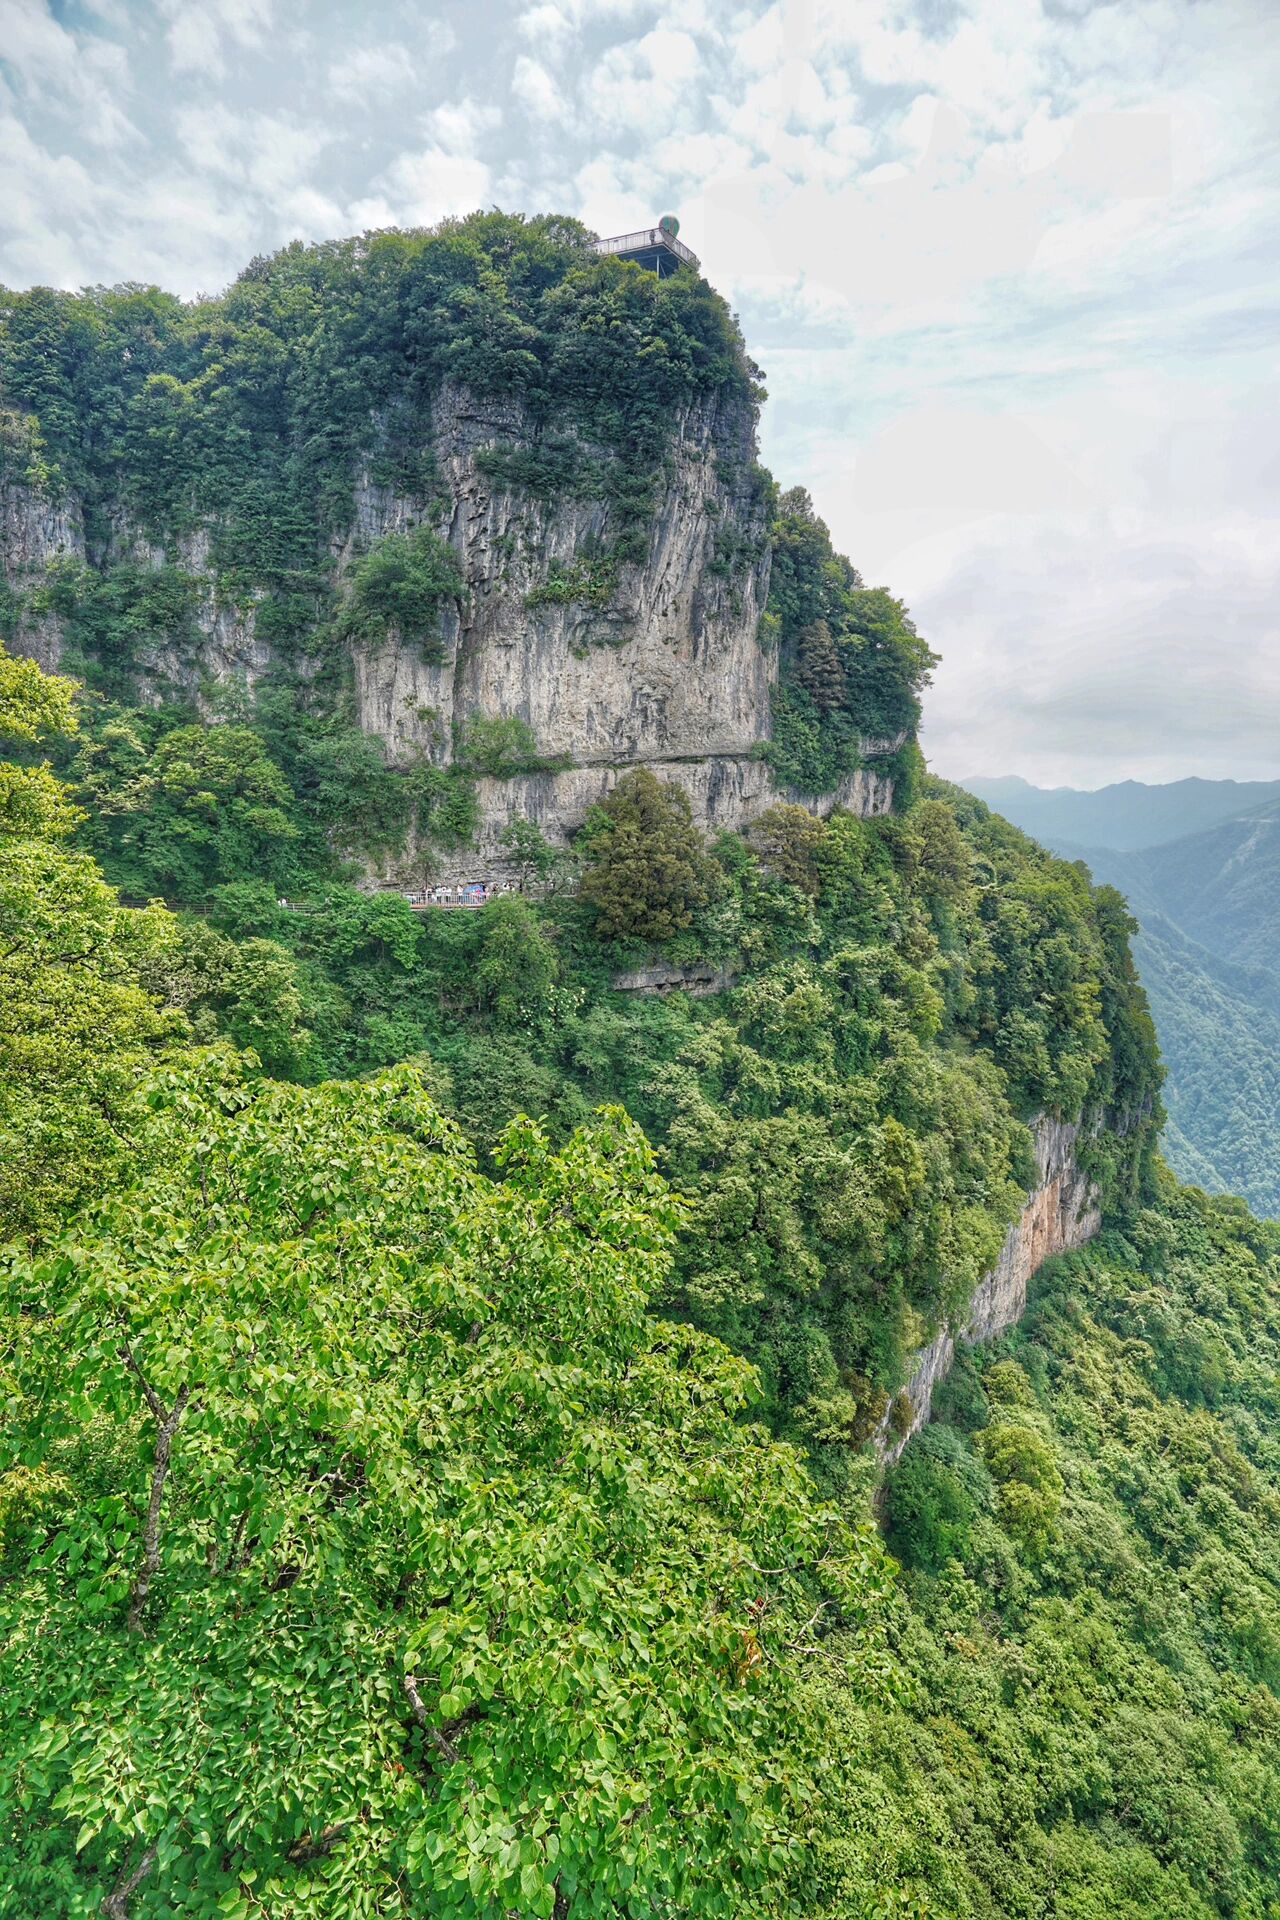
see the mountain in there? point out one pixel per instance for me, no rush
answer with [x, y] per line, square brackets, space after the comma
[1125, 816]
[1208, 904]
[670, 1379]
[1222, 886]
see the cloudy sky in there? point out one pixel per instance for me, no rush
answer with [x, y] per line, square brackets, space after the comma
[1010, 267]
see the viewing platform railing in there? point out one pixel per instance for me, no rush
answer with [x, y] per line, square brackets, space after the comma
[648, 237]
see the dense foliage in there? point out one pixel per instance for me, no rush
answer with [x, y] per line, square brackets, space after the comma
[1202, 873]
[1094, 1544]
[255, 407]
[845, 1117]
[213, 450]
[367, 1549]
[77, 1024]
[411, 1507]
[852, 665]
[1221, 1042]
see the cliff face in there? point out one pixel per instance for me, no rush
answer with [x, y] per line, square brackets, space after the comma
[669, 666]
[1061, 1213]
[34, 533]
[668, 673]
[660, 666]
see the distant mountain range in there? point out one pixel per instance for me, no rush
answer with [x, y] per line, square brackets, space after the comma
[1199, 862]
[1126, 817]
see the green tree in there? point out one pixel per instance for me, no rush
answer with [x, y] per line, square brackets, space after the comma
[818, 668]
[645, 870]
[367, 1545]
[515, 965]
[206, 807]
[532, 855]
[400, 587]
[789, 841]
[77, 1025]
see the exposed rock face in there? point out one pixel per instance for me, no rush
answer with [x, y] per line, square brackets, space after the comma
[667, 671]
[227, 647]
[725, 792]
[698, 981]
[670, 666]
[669, 674]
[34, 532]
[1061, 1213]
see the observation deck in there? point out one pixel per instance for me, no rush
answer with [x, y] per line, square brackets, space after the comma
[658, 249]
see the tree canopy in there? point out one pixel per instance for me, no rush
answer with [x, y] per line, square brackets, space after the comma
[367, 1546]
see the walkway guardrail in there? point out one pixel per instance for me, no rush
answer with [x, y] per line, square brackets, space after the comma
[648, 237]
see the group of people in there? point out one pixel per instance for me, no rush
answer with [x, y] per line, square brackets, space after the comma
[471, 893]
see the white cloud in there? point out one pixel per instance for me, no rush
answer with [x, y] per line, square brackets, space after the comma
[541, 96]
[371, 74]
[424, 186]
[262, 150]
[73, 75]
[459, 125]
[198, 29]
[1147, 650]
[645, 83]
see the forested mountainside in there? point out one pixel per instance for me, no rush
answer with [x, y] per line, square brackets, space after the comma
[1208, 906]
[409, 1506]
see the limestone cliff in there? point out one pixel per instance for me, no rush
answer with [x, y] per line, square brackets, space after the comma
[662, 666]
[1061, 1213]
[34, 533]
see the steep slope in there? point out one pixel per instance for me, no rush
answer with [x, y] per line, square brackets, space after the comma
[1208, 907]
[481, 494]
[1093, 1621]
[1222, 887]
[409, 1505]
[1221, 1044]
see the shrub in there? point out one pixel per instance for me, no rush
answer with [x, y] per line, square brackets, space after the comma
[400, 587]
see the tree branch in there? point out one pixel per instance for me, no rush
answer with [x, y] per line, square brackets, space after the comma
[313, 1846]
[149, 1393]
[116, 1904]
[167, 1426]
[439, 1740]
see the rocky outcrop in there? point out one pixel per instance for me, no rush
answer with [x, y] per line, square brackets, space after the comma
[1061, 1213]
[725, 792]
[35, 532]
[224, 646]
[656, 662]
[697, 981]
[669, 665]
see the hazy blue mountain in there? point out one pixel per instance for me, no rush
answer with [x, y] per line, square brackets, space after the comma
[1208, 904]
[1127, 815]
[1223, 887]
[1222, 1050]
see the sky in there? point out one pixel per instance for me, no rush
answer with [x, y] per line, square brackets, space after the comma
[1010, 268]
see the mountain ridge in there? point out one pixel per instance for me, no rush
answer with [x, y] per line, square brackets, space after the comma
[1125, 815]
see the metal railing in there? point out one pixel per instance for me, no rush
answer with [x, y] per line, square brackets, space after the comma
[648, 237]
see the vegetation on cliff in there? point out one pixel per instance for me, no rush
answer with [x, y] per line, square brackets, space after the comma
[1092, 1533]
[852, 665]
[364, 1540]
[409, 1507]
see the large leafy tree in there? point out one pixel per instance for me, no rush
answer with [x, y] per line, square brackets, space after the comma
[77, 1024]
[369, 1550]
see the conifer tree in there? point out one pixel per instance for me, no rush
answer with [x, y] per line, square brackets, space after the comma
[646, 871]
[818, 667]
